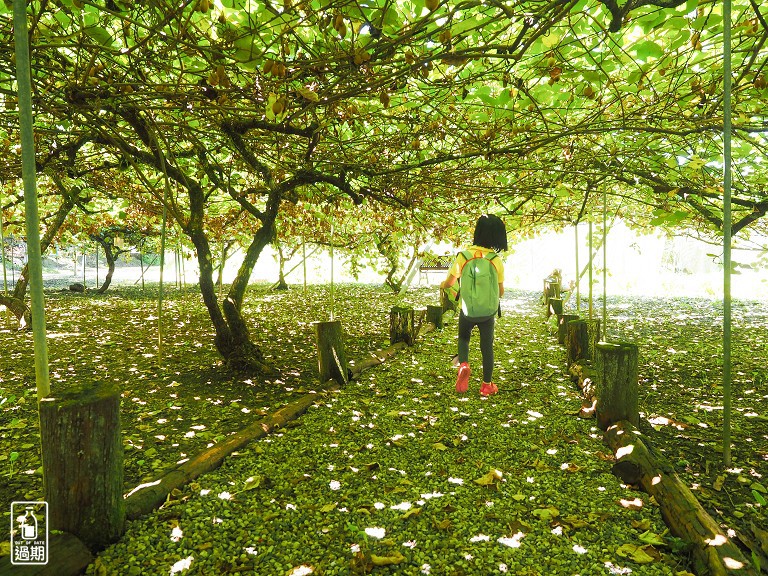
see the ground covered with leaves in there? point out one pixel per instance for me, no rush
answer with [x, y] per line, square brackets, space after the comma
[396, 473]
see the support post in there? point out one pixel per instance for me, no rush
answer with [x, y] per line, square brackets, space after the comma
[576, 343]
[616, 386]
[594, 330]
[331, 358]
[555, 307]
[562, 324]
[435, 316]
[82, 449]
[401, 325]
[448, 299]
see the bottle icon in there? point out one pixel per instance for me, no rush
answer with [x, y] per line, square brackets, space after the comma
[28, 524]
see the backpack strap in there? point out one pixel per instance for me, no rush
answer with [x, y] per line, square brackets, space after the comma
[469, 255]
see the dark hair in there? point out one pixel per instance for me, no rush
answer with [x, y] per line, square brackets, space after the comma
[490, 232]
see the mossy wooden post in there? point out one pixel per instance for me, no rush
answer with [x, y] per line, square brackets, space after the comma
[331, 357]
[401, 325]
[562, 324]
[593, 337]
[551, 290]
[435, 316]
[82, 451]
[555, 307]
[616, 386]
[447, 300]
[576, 345]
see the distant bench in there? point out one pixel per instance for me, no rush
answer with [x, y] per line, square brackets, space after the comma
[433, 263]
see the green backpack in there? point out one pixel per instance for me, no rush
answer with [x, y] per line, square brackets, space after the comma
[479, 285]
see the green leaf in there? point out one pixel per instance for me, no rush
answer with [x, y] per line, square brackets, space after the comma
[648, 49]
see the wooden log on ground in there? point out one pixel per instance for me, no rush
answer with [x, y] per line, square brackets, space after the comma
[562, 324]
[146, 497]
[576, 345]
[67, 556]
[377, 357]
[331, 357]
[401, 325]
[616, 387]
[713, 552]
[82, 453]
[435, 316]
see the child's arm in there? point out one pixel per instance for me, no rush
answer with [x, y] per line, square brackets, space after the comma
[448, 282]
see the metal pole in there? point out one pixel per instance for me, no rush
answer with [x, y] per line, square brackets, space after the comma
[2, 247]
[591, 262]
[605, 268]
[24, 83]
[727, 234]
[332, 295]
[578, 270]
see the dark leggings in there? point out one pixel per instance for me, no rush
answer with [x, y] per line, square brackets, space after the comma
[485, 327]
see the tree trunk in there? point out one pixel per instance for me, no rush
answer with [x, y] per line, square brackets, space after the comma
[714, 553]
[19, 309]
[331, 356]
[232, 338]
[616, 386]
[82, 453]
[20, 290]
[111, 255]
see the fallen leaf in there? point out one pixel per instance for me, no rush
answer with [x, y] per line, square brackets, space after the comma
[490, 478]
[635, 553]
[652, 538]
[547, 513]
[393, 558]
[411, 512]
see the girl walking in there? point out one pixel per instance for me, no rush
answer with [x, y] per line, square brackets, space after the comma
[481, 273]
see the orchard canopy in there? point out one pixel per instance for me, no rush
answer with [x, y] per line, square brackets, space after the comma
[377, 125]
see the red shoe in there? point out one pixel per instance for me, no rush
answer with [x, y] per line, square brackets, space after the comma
[462, 379]
[487, 389]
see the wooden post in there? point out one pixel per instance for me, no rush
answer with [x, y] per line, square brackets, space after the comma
[435, 316]
[616, 386]
[562, 324]
[555, 307]
[82, 451]
[331, 357]
[551, 290]
[448, 299]
[576, 345]
[593, 337]
[401, 325]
